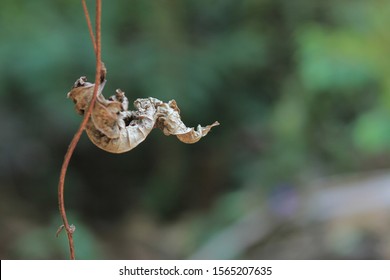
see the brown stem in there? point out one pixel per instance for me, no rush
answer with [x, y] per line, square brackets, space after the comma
[86, 13]
[61, 204]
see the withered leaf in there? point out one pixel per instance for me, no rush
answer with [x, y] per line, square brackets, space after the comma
[113, 128]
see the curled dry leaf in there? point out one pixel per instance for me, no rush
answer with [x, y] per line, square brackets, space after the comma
[113, 128]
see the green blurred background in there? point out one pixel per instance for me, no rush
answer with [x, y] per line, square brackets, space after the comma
[298, 169]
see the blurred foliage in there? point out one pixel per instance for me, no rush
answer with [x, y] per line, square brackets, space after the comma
[301, 90]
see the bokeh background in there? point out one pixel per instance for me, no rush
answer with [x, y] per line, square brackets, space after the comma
[298, 169]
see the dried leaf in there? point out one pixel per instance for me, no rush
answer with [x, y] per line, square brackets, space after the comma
[113, 128]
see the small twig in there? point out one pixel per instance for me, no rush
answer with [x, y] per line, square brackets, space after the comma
[97, 46]
[86, 13]
[60, 228]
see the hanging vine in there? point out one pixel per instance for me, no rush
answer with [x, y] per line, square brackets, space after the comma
[61, 203]
[109, 123]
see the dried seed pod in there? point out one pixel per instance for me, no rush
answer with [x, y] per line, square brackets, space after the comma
[113, 128]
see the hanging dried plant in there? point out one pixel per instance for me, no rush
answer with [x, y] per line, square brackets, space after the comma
[110, 125]
[113, 128]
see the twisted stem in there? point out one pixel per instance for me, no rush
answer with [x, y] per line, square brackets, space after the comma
[97, 48]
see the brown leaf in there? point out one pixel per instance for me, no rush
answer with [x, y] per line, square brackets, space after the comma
[113, 128]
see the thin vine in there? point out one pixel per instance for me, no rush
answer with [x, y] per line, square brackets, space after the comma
[109, 123]
[97, 48]
[86, 13]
